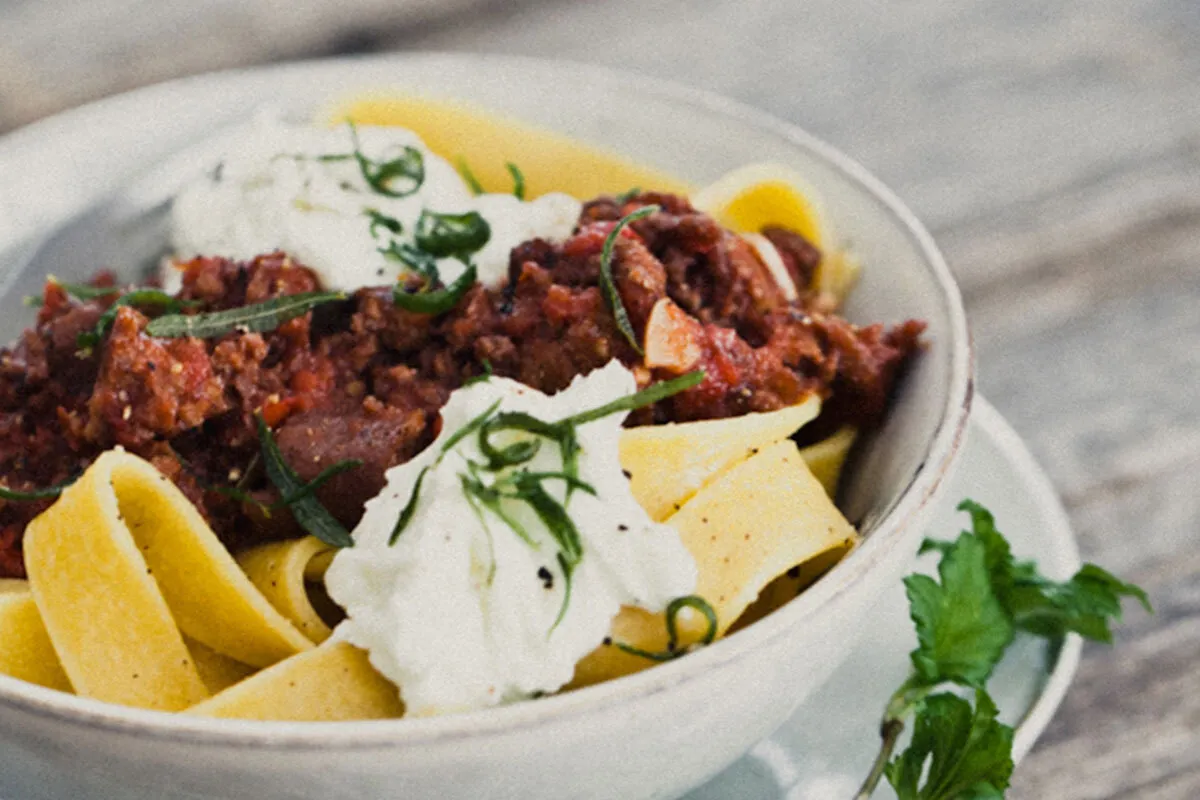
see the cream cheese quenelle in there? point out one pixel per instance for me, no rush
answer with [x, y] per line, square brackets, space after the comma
[466, 586]
[352, 204]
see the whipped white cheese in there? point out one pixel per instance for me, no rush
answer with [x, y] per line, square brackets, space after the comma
[461, 612]
[298, 189]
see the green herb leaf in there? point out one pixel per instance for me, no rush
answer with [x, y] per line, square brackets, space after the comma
[518, 180]
[32, 495]
[135, 297]
[627, 195]
[438, 301]
[452, 235]
[257, 318]
[397, 177]
[969, 753]
[964, 626]
[1086, 604]
[490, 499]
[308, 511]
[482, 377]
[414, 260]
[606, 277]
[673, 651]
[323, 477]
[410, 508]
[962, 629]
[85, 292]
[646, 397]
[469, 177]
[380, 220]
[466, 430]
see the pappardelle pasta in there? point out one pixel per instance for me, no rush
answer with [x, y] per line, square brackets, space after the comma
[409, 429]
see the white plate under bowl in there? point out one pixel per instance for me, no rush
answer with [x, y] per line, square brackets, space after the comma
[807, 761]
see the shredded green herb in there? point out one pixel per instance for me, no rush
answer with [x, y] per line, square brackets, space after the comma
[406, 514]
[452, 235]
[437, 301]
[381, 220]
[627, 195]
[407, 169]
[673, 651]
[482, 377]
[518, 180]
[648, 396]
[257, 318]
[308, 511]
[606, 276]
[84, 291]
[33, 495]
[468, 176]
[414, 261]
[135, 297]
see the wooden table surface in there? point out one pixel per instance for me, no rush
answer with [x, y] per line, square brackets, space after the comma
[1052, 147]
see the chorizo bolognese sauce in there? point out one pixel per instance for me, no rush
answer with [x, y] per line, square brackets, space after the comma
[355, 381]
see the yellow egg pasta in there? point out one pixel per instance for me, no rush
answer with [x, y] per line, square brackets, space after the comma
[737, 553]
[332, 682]
[670, 463]
[280, 571]
[827, 457]
[217, 671]
[25, 648]
[550, 162]
[111, 628]
[121, 567]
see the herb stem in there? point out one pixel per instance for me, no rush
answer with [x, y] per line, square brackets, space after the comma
[890, 734]
[900, 706]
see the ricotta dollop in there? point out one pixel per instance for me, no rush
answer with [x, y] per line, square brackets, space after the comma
[298, 188]
[462, 613]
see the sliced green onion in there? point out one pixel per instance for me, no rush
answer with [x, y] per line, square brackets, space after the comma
[257, 318]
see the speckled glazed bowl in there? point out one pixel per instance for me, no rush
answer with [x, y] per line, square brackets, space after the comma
[77, 189]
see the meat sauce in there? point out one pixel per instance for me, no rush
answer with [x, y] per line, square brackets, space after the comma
[362, 379]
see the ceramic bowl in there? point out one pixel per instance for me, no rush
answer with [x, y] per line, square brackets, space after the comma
[68, 201]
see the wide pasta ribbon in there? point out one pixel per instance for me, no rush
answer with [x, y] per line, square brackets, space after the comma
[747, 527]
[121, 567]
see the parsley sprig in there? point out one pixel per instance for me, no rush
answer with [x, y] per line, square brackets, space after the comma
[965, 622]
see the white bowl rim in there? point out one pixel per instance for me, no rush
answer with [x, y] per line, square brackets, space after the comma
[878, 547]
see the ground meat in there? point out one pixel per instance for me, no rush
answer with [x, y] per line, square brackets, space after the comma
[150, 389]
[364, 380]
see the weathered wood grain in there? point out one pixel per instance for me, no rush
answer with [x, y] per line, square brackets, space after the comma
[1053, 147]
